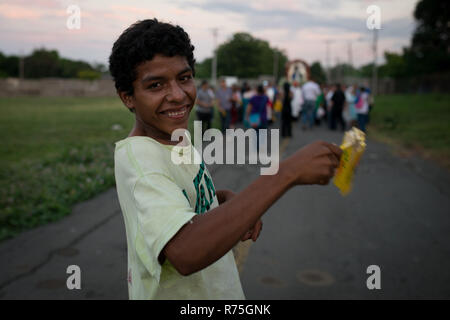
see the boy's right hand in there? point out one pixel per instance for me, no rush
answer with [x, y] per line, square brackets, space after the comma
[313, 164]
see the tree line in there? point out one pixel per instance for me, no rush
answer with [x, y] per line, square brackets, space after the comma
[43, 63]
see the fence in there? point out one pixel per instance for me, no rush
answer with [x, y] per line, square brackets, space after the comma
[434, 83]
[12, 87]
[50, 87]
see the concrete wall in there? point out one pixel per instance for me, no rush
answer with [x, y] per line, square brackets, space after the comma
[51, 87]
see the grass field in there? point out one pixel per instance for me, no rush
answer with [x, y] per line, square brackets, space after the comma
[419, 123]
[56, 152]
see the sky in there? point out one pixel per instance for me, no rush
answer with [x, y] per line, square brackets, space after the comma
[299, 27]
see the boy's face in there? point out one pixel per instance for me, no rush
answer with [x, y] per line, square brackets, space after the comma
[164, 95]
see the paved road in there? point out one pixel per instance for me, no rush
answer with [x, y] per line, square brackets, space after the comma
[315, 243]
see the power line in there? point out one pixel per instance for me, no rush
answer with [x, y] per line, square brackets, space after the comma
[328, 67]
[375, 56]
[214, 60]
[21, 65]
[350, 53]
[275, 65]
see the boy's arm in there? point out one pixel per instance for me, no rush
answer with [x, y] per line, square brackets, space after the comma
[253, 233]
[224, 195]
[211, 235]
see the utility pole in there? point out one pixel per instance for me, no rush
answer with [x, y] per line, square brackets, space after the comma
[21, 66]
[328, 67]
[374, 72]
[214, 60]
[338, 70]
[350, 54]
[275, 66]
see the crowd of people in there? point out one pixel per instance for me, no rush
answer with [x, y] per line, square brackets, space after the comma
[310, 104]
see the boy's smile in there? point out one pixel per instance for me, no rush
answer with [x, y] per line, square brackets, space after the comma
[164, 95]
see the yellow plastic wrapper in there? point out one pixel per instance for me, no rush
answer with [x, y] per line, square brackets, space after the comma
[353, 146]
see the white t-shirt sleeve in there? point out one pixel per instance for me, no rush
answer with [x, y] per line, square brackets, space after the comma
[317, 90]
[162, 209]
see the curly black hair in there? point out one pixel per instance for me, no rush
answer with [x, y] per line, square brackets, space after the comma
[141, 42]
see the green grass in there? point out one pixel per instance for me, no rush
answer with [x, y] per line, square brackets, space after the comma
[415, 122]
[55, 152]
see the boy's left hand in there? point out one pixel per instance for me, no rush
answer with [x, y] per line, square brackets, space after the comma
[254, 232]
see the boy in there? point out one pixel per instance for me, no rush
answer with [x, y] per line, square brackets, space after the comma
[180, 230]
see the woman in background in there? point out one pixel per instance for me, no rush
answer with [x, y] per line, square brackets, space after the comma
[286, 111]
[256, 113]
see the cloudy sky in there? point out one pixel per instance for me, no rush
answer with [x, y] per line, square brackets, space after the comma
[300, 27]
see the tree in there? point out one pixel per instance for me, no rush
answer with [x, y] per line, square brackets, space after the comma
[88, 74]
[430, 45]
[317, 72]
[395, 66]
[203, 69]
[247, 57]
[9, 66]
[70, 69]
[42, 63]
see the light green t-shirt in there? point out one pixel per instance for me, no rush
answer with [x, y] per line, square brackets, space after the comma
[157, 198]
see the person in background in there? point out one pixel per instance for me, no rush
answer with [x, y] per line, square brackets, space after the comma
[257, 109]
[236, 102]
[224, 99]
[362, 109]
[244, 88]
[277, 106]
[270, 92]
[247, 94]
[338, 104]
[286, 112]
[180, 230]
[329, 94]
[350, 97]
[205, 106]
[297, 101]
[371, 103]
[311, 91]
[319, 112]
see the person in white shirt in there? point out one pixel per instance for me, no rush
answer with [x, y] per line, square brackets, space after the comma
[362, 109]
[297, 100]
[311, 91]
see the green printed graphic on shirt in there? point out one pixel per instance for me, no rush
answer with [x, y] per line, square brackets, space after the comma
[185, 194]
[202, 203]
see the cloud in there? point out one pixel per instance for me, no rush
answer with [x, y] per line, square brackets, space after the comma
[260, 17]
[398, 28]
[300, 27]
[16, 12]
